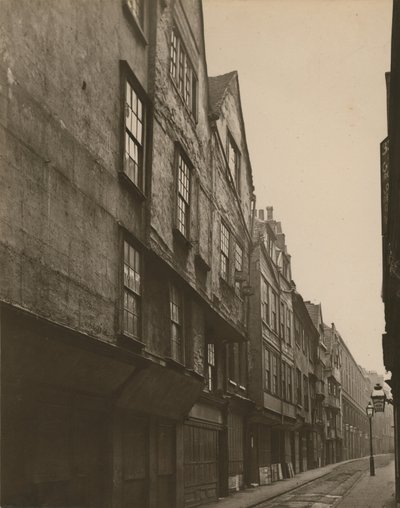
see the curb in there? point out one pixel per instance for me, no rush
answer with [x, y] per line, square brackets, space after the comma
[258, 503]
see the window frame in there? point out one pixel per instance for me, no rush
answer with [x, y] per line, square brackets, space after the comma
[274, 310]
[289, 383]
[289, 314]
[224, 256]
[128, 79]
[182, 63]
[267, 371]
[179, 325]
[211, 368]
[282, 320]
[306, 393]
[238, 266]
[180, 155]
[275, 387]
[299, 390]
[236, 171]
[265, 303]
[128, 290]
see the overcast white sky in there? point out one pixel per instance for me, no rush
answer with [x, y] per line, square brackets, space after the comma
[312, 81]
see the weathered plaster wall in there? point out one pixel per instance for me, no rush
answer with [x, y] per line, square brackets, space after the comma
[60, 145]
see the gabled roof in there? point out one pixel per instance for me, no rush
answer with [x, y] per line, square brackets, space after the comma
[314, 311]
[217, 86]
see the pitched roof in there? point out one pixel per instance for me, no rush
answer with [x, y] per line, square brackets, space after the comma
[313, 310]
[216, 90]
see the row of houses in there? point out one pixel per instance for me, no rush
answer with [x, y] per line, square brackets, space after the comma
[155, 349]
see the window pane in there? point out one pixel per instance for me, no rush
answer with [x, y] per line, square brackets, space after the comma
[182, 72]
[134, 118]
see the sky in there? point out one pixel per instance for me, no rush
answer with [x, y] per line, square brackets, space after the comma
[312, 84]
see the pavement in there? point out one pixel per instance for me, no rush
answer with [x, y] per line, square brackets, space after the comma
[323, 487]
[372, 491]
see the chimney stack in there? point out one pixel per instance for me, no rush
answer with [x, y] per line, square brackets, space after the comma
[270, 212]
[261, 214]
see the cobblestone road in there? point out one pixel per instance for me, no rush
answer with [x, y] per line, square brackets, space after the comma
[331, 488]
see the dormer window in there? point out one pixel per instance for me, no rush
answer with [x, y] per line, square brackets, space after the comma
[233, 156]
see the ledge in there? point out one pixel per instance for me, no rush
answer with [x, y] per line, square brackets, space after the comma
[180, 238]
[202, 263]
[131, 186]
[180, 367]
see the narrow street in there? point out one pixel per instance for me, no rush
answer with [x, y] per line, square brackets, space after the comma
[347, 486]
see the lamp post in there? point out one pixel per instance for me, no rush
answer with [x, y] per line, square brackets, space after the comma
[370, 412]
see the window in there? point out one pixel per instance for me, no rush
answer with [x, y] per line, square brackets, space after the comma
[136, 9]
[183, 204]
[134, 137]
[211, 370]
[297, 331]
[274, 309]
[283, 375]
[264, 300]
[225, 241]
[233, 156]
[289, 383]
[286, 271]
[271, 248]
[282, 321]
[288, 326]
[238, 264]
[242, 365]
[267, 369]
[176, 315]
[132, 291]
[306, 400]
[182, 73]
[275, 375]
[298, 387]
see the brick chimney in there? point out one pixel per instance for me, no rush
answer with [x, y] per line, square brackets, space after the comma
[261, 214]
[270, 212]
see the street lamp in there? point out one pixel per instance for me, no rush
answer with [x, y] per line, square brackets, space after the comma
[378, 397]
[370, 413]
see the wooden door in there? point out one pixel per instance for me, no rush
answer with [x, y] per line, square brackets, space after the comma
[134, 462]
[200, 465]
[166, 465]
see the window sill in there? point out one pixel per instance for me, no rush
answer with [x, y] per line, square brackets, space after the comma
[202, 263]
[135, 22]
[126, 181]
[132, 340]
[179, 237]
[226, 284]
[175, 364]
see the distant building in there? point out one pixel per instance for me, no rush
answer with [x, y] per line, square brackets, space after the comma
[272, 370]
[355, 398]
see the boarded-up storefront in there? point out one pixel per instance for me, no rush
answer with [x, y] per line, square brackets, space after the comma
[200, 464]
[235, 451]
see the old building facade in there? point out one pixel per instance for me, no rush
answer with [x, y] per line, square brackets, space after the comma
[123, 312]
[356, 394]
[272, 369]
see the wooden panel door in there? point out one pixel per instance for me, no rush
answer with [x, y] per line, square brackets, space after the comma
[200, 465]
[166, 465]
[134, 462]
